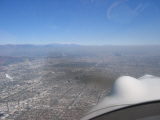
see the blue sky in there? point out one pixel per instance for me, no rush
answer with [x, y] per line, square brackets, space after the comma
[87, 22]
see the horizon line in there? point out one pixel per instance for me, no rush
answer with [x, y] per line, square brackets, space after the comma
[83, 44]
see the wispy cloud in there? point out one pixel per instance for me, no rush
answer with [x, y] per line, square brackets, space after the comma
[137, 8]
[140, 8]
[113, 5]
[124, 13]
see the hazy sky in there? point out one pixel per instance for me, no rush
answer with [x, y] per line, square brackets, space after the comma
[89, 22]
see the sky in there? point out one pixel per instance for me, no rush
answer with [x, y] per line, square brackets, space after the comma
[85, 22]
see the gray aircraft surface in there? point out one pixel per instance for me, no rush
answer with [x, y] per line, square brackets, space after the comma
[129, 99]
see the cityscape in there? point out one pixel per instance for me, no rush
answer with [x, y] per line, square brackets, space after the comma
[63, 82]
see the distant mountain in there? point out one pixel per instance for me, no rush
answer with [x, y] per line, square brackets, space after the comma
[63, 45]
[34, 49]
[39, 45]
[61, 49]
